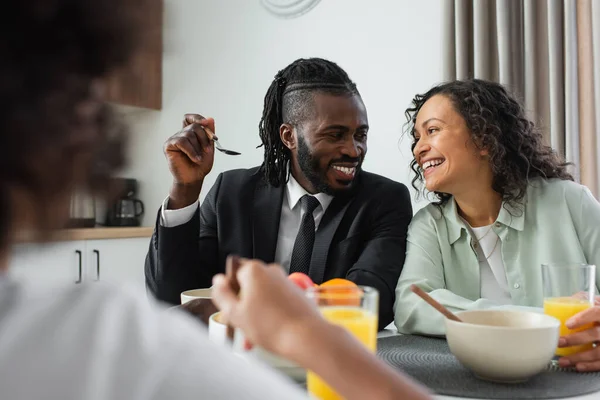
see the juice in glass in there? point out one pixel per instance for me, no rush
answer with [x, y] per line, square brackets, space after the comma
[355, 310]
[569, 288]
[563, 308]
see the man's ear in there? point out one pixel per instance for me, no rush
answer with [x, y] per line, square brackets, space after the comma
[288, 136]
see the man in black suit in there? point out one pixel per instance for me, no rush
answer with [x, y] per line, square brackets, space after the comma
[309, 207]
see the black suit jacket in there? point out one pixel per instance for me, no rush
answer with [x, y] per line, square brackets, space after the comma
[361, 237]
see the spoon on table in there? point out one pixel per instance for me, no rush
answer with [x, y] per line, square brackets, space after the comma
[447, 313]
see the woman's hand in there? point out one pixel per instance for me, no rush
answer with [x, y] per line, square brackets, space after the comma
[586, 360]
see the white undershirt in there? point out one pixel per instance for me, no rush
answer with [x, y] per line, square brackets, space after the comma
[292, 212]
[494, 285]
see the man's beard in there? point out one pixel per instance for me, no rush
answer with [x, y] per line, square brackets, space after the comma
[309, 165]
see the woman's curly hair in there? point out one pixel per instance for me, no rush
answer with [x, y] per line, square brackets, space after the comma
[56, 133]
[497, 122]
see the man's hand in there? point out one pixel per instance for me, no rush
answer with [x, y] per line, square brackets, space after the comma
[201, 309]
[190, 154]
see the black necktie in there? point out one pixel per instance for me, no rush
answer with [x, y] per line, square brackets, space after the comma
[303, 246]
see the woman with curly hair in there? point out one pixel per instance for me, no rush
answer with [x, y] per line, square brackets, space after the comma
[504, 203]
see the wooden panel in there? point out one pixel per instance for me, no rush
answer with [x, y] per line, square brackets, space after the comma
[139, 83]
[95, 233]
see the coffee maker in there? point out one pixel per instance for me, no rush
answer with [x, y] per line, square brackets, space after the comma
[127, 210]
[82, 212]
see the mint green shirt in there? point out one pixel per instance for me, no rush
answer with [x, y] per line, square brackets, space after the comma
[559, 221]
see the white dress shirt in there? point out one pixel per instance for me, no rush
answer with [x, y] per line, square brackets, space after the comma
[292, 212]
[93, 342]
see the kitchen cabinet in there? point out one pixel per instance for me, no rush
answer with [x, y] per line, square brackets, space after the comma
[53, 263]
[119, 261]
[139, 83]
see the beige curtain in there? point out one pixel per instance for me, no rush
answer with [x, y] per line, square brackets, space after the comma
[548, 53]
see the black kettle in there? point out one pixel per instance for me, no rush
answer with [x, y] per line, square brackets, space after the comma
[125, 212]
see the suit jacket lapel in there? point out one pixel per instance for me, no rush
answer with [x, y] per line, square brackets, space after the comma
[324, 235]
[266, 214]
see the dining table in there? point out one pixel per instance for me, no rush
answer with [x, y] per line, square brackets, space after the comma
[591, 396]
[391, 330]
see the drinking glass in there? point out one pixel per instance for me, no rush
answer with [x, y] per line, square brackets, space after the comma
[352, 307]
[568, 289]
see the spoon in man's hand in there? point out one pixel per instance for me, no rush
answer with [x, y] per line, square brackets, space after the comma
[215, 139]
[222, 150]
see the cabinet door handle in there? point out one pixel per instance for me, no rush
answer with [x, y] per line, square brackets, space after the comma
[78, 252]
[97, 253]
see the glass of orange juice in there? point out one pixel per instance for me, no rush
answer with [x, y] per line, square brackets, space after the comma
[352, 307]
[568, 290]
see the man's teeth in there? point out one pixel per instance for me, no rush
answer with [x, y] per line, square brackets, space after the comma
[432, 163]
[345, 170]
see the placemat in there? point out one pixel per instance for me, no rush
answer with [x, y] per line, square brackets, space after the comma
[430, 361]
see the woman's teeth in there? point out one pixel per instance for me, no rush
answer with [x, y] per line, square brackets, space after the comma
[432, 163]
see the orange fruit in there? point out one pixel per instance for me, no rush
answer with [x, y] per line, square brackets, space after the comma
[338, 282]
[340, 292]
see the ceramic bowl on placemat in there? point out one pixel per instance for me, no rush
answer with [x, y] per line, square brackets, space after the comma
[429, 361]
[503, 346]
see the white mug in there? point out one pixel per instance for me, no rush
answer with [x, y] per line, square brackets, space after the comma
[189, 295]
[217, 330]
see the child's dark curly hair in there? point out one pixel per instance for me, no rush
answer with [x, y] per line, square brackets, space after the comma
[56, 133]
[497, 122]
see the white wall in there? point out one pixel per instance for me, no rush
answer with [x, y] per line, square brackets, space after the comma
[221, 55]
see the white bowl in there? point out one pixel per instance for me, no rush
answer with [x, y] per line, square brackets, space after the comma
[217, 333]
[293, 371]
[503, 346]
